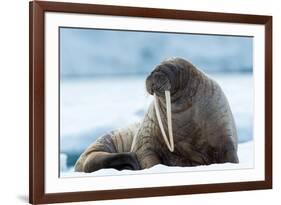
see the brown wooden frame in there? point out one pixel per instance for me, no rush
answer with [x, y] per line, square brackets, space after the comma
[37, 95]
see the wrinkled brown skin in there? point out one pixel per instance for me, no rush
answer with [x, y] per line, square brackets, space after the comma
[203, 126]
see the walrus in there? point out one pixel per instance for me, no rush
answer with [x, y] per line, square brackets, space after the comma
[189, 123]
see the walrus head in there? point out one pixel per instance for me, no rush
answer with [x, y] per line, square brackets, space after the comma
[168, 83]
[170, 75]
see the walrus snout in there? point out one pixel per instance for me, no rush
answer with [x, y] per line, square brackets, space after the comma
[157, 82]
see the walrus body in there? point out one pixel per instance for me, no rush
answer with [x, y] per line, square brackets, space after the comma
[204, 130]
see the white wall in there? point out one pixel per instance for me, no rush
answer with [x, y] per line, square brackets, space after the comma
[14, 100]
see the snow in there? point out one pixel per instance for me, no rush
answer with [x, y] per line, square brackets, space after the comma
[245, 154]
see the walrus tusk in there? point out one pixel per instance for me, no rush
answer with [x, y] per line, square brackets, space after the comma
[170, 144]
[169, 119]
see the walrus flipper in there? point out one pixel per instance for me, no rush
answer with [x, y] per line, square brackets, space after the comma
[110, 151]
[119, 161]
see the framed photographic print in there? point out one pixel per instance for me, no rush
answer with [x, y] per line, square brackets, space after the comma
[138, 102]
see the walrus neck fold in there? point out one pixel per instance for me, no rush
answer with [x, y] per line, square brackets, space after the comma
[169, 142]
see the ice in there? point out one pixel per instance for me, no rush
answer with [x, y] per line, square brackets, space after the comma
[63, 162]
[95, 103]
[239, 90]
